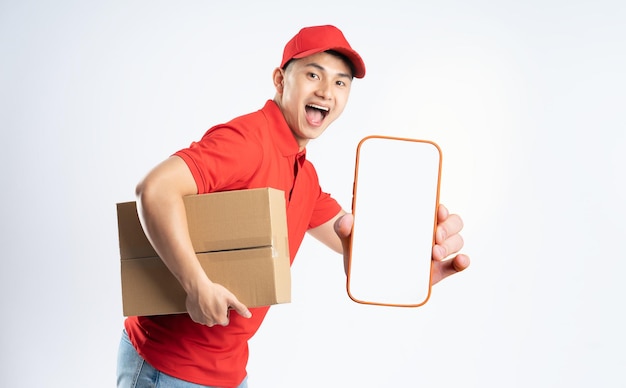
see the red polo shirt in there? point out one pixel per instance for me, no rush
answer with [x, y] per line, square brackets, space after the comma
[252, 151]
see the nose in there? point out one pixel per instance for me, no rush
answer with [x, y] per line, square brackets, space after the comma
[324, 90]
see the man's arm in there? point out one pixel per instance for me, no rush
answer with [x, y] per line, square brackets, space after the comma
[327, 234]
[162, 213]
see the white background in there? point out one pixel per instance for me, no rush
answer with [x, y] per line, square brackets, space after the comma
[526, 100]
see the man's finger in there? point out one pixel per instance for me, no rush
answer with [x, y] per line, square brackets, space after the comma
[451, 226]
[448, 247]
[240, 308]
[442, 213]
[443, 269]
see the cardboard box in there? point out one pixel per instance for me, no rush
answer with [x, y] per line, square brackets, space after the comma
[240, 239]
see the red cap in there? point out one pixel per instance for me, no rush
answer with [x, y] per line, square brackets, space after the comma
[313, 40]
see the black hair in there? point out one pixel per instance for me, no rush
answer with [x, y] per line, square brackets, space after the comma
[333, 53]
[343, 58]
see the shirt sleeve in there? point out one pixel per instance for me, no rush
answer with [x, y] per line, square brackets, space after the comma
[224, 159]
[326, 208]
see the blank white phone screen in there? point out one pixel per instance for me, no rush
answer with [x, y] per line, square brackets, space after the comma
[396, 191]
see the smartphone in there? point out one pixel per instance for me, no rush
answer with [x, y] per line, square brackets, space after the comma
[394, 203]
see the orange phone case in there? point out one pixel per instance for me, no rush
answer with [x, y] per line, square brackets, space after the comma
[395, 171]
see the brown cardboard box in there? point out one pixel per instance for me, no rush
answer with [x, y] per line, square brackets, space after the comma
[240, 239]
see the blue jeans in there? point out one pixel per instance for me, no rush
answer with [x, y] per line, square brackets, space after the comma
[134, 372]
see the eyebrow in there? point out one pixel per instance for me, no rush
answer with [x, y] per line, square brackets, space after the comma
[322, 68]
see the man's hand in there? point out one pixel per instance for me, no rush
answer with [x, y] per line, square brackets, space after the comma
[163, 217]
[210, 303]
[448, 242]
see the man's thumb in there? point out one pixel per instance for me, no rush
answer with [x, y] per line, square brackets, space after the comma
[343, 226]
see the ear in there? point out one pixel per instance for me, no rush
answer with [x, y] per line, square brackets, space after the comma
[278, 76]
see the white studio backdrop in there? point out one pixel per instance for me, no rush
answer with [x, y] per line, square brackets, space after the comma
[525, 99]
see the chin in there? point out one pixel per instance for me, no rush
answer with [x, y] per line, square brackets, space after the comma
[314, 134]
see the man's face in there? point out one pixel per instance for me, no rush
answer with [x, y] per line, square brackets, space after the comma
[312, 92]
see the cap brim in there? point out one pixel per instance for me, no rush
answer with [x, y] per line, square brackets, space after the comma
[357, 62]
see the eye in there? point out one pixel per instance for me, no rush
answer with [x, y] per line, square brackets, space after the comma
[314, 76]
[341, 83]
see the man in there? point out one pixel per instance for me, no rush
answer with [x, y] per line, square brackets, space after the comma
[208, 346]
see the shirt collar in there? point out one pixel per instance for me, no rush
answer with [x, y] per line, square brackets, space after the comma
[284, 138]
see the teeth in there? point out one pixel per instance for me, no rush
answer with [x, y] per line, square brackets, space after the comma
[318, 107]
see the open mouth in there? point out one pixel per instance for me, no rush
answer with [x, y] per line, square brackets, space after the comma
[315, 113]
